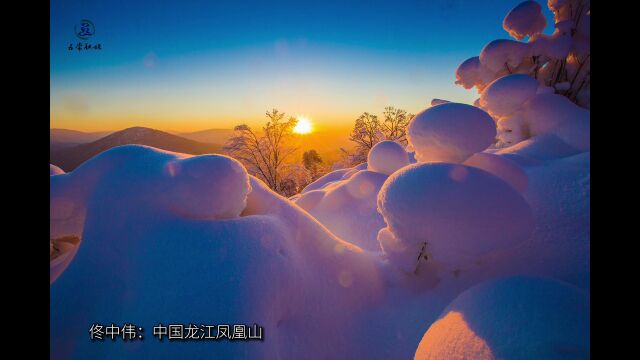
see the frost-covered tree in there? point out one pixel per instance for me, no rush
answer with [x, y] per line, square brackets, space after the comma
[264, 154]
[560, 61]
[366, 132]
[369, 130]
[394, 126]
[295, 178]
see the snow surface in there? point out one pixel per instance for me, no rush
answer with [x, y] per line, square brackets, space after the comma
[348, 207]
[513, 318]
[275, 264]
[502, 167]
[450, 132]
[386, 157]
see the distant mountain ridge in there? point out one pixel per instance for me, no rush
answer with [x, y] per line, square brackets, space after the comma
[69, 158]
[75, 136]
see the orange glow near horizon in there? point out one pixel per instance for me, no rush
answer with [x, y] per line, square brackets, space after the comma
[304, 126]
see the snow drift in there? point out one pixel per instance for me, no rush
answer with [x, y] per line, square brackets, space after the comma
[509, 319]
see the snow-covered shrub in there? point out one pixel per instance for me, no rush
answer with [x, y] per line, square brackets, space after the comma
[559, 61]
[551, 113]
[522, 109]
[452, 214]
[450, 132]
[386, 157]
[509, 319]
[524, 20]
[469, 74]
[507, 94]
[505, 55]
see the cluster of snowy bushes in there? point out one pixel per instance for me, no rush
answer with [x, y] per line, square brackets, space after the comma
[449, 247]
[517, 80]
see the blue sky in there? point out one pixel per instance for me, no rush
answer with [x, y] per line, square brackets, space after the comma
[202, 64]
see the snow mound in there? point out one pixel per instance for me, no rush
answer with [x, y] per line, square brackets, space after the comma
[198, 187]
[555, 113]
[511, 318]
[506, 169]
[559, 195]
[143, 263]
[556, 46]
[472, 73]
[325, 179]
[524, 20]
[386, 157]
[54, 170]
[206, 187]
[451, 213]
[435, 101]
[541, 147]
[502, 54]
[543, 113]
[450, 132]
[507, 94]
[348, 207]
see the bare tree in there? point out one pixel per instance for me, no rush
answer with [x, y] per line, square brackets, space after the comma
[394, 126]
[366, 132]
[264, 154]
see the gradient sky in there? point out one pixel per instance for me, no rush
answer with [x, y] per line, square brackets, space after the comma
[193, 65]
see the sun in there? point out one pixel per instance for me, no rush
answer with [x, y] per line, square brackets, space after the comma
[303, 126]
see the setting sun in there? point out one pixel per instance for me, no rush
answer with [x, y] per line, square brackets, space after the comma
[303, 126]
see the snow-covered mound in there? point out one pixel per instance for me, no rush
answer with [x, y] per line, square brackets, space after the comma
[144, 259]
[54, 170]
[386, 157]
[452, 214]
[348, 207]
[513, 318]
[325, 179]
[206, 187]
[141, 261]
[502, 167]
[503, 55]
[470, 74]
[554, 113]
[559, 194]
[524, 20]
[450, 132]
[507, 94]
[539, 148]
